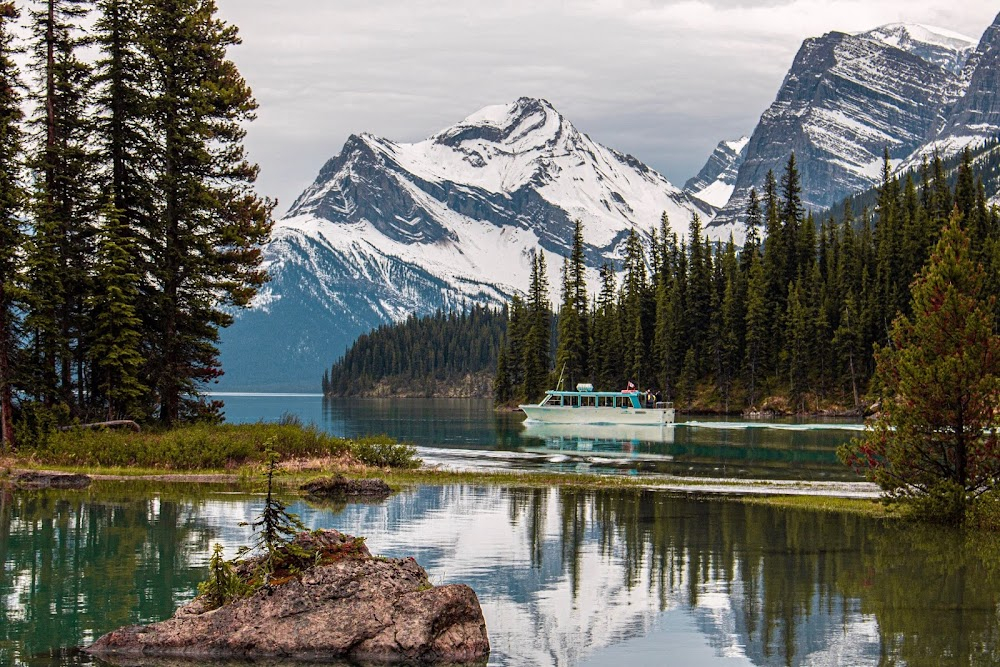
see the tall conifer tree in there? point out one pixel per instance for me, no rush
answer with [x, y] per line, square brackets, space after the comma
[212, 223]
[11, 226]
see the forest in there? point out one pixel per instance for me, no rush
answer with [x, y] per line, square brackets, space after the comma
[434, 355]
[788, 322]
[129, 227]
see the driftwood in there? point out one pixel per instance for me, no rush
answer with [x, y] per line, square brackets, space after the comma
[114, 423]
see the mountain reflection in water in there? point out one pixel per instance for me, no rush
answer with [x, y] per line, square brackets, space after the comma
[565, 577]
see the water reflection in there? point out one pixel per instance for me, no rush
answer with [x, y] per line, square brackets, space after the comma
[565, 577]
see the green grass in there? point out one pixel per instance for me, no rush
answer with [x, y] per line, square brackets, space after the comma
[866, 506]
[202, 448]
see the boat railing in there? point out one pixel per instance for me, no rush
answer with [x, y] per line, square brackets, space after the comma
[665, 405]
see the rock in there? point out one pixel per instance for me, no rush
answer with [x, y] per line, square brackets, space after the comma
[360, 608]
[49, 480]
[341, 487]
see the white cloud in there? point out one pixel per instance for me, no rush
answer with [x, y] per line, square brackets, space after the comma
[660, 79]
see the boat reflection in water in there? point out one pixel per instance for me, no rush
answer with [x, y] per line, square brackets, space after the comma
[603, 445]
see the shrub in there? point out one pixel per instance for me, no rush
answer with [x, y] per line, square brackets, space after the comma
[384, 452]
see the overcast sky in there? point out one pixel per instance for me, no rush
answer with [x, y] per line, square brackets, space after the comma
[663, 80]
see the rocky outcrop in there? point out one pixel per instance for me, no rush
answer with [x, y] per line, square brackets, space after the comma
[339, 487]
[359, 608]
[40, 479]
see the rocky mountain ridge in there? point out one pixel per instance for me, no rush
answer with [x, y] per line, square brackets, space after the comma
[388, 229]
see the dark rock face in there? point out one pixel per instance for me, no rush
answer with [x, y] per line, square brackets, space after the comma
[364, 609]
[844, 101]
[50, 480]
[340, 487]
[977, 112]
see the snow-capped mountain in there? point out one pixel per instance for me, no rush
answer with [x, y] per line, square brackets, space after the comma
[975, 116]
[844, 101]
[714, 183]
[941, 47]
[388, 229]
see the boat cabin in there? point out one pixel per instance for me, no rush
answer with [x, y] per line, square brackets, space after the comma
[586, 397]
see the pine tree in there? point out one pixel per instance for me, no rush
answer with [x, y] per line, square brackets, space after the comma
[206, 253]
[11, 226]
[936, 444]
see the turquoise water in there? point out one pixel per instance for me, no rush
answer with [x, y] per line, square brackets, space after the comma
[565, 577]
[468, 433]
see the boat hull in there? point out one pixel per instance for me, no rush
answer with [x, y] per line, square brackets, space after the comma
[558, 414]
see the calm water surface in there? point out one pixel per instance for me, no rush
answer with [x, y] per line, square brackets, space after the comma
[467, 433]
[565, 577]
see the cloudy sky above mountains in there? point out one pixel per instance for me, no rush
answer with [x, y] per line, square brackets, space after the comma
[664, 80]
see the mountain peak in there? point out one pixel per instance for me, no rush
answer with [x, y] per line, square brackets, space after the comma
[525, 124]
[940, 46]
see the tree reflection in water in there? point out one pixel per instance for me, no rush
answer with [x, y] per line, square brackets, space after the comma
[562, 574]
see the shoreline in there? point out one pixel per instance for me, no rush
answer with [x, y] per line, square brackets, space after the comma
[708, 486]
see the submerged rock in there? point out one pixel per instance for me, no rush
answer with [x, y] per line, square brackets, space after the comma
[341, 487]
[357, 607]
[49, 480]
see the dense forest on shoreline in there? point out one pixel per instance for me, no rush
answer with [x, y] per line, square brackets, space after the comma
[444, 354]
[788, 322]
[129, 226]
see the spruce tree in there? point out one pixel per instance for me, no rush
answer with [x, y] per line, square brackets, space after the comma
[205, 254]
[574, 340]
[11, 226]
[117, 333]
[536, 345]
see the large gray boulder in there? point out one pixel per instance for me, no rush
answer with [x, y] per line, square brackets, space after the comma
[359, 608]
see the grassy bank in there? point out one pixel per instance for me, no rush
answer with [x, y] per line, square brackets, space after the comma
[225, 447]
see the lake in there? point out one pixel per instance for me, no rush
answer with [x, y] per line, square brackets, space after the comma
[469, 434]
[565, 577]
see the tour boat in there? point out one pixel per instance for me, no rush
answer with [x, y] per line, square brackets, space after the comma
[586, 406]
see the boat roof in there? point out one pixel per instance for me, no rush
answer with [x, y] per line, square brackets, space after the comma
[623, 392]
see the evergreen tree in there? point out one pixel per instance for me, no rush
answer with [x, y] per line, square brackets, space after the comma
[11, 226]
[574, 340]
[632, 310]
[758, 329]
[936, 443]
[63, 203]
[607, 341]
[536, 345]
[117, 331]
[205, 252]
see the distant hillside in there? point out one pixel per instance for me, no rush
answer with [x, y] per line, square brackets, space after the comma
[444, 354]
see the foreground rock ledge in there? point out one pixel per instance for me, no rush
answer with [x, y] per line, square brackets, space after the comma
[364, 609]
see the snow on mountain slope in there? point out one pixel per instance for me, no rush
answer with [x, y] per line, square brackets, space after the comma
[715, 182]
[844, 101]
[945, 48]
[388, 229]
